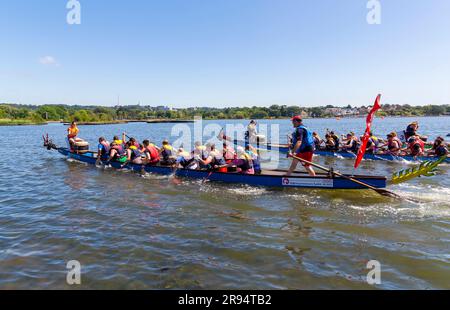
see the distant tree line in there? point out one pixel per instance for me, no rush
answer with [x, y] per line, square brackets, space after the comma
[44, 113]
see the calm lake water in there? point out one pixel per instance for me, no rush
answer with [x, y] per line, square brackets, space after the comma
[151, 232]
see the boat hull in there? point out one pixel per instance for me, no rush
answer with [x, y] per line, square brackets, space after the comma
[273, 178]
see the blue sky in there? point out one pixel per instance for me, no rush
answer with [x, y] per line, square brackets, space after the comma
[225, 52]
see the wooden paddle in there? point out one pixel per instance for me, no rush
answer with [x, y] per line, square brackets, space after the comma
[380, 191]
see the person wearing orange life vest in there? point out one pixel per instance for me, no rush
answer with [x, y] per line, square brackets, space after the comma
[416, 146]
[151, 153]
[72, 133]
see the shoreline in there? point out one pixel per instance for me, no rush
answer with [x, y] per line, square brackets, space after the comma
[161, 121]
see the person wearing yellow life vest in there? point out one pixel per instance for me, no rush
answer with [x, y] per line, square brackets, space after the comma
[167, 154]
[72, 133]
[200, 150]
[133, 154]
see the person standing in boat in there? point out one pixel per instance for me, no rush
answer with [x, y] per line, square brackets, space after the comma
[251, 133]
[72, 133]
[302, 146]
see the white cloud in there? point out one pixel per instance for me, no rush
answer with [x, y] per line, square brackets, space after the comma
[48, 61]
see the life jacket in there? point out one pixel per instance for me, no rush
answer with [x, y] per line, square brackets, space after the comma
[317, 142]
[154, 154]
[391, 144]
[421, 145]
[247, 162]
[336, 141]
[355, 145]
[217, 160]
[105, 150]
[375, 140]
[73, 132]
[167, 152]
[256, 161]
[201, 151]
[308, 139]
[229, 153]
[135, 153]
[441, 150]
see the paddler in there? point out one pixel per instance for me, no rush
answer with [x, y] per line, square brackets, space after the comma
[317, 141]
[302, 146]
[244, 162]
[416, 146]
[412, 130]
[229, 154]
[214, 159]
[394, 145]
[72, 133]
[151, 153]
[103, 148]
[133, 154]
[200, 150]
[336, 139]
[167, 155]
[185, 160]
[250, 150]
[351, 143]
[439, 148]
[329, 143]
[117, 153]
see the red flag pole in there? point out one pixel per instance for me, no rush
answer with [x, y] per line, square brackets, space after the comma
[365, 139]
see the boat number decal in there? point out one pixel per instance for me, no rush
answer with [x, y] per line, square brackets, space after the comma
[307, 182]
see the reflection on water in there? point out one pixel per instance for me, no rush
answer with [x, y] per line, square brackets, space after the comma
[146, 231]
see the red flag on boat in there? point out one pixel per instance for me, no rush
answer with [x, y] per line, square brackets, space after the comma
[365, 139]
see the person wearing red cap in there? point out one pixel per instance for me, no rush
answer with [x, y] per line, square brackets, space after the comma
[302, 146]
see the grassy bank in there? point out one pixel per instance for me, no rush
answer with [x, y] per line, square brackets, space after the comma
[19, 122]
